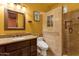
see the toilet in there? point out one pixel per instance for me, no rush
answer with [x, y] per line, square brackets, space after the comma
[42, 46]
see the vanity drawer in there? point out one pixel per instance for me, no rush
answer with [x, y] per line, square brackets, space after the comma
[34, 42]
[17, 45]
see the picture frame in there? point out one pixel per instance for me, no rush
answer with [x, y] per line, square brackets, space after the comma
[36, 15]
[50, 21]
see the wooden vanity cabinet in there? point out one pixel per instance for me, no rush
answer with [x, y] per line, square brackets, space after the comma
[14, 53]
[22, 48]
[1, 49]
[33, 47]
[26, 51]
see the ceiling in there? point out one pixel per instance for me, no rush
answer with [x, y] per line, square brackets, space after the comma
[43, 7]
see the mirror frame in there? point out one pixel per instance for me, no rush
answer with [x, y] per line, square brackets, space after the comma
[6, 23]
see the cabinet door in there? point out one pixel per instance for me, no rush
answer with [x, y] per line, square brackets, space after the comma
[34, 42]
[15, 53]
[33, 50]
[34, 47]
[26, 51]
[2, 50]
[17, 45]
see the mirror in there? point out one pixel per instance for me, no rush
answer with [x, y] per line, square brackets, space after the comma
[14, 20]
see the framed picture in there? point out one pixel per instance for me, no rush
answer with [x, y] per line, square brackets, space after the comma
[50, 21]
[36, 16]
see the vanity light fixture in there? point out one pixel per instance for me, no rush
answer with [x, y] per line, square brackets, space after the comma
[15, 7]
[18, 7]
[11, 6]
[23, 9]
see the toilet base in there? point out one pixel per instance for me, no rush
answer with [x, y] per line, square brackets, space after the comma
[42, 52]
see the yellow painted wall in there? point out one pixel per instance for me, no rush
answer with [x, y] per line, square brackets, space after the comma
[34, 27]
[73, 6]
[70, 6]
[1, 19]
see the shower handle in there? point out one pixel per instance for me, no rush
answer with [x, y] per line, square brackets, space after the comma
[70, 30]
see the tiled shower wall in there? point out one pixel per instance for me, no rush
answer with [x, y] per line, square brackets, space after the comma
[71, 37]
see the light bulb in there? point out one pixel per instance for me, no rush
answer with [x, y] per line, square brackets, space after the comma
[18, 7]
[23, 9]
[65, 9]
[11, 6]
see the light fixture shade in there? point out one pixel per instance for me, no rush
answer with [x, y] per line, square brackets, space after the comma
[18, 8]
[65, 9]
[23, 9]
[11, 6]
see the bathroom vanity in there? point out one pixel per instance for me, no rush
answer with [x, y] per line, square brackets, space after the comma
[19, 46]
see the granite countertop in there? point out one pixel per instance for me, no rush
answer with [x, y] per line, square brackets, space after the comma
[4, 41]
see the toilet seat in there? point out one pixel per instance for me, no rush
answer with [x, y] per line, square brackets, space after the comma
[42, 45]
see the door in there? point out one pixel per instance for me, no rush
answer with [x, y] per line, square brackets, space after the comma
[74, 34]
[52, 30]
